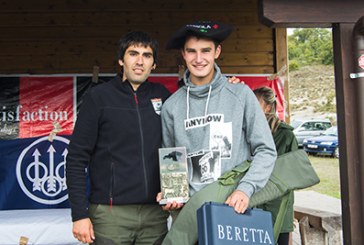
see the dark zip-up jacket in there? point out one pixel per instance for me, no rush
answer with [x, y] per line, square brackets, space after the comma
[116, 136]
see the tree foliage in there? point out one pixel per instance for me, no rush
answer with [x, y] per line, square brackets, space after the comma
[310, 46]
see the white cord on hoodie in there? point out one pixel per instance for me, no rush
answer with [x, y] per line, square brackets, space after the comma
[188, 104]
[208, 100]
[188, 99]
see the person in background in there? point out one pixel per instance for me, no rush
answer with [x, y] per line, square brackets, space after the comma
[285, 141]
[220, 124]
[116, 138]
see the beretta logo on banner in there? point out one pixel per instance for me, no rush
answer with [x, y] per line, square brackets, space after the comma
[40, 170]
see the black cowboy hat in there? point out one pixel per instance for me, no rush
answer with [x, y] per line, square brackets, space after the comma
[209, 29]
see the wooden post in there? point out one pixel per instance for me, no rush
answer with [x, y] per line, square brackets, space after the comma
[281, 62]
[351, 193]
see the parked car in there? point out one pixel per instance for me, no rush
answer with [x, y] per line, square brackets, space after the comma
[304, 129]
[326, 144]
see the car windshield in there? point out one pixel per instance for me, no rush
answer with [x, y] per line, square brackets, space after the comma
[331, 131]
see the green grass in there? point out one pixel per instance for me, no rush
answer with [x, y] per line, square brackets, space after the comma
[327, 168]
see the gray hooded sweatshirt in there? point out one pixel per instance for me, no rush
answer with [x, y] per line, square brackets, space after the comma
[221, 125]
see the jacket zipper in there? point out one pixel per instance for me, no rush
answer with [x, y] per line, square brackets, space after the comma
[111, 184]
[142, 143]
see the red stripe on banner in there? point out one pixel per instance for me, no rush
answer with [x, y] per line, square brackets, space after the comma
[170, 82]
[43, 101]
[255, 82]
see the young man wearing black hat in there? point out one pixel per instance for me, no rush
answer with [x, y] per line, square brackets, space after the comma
[221, 124]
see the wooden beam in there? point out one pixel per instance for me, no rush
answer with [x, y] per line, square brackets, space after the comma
[309, 13]
[141, 6]
[113, 18]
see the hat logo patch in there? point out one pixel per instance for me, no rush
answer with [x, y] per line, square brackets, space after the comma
[216, 26]
[204, 28]
[201, 26]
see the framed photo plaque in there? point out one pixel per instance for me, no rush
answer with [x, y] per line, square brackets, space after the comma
[173, 175]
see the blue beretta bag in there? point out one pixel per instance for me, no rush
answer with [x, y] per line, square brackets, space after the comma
[219, 224]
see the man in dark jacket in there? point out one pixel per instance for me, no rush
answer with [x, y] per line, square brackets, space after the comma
[116, 139]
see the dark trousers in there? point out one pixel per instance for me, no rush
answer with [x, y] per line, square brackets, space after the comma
[128, 224]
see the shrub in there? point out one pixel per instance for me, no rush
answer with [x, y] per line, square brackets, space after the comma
[293, 65]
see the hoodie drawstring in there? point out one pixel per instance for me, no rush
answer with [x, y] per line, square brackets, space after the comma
[208, 100]
[188, 104]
